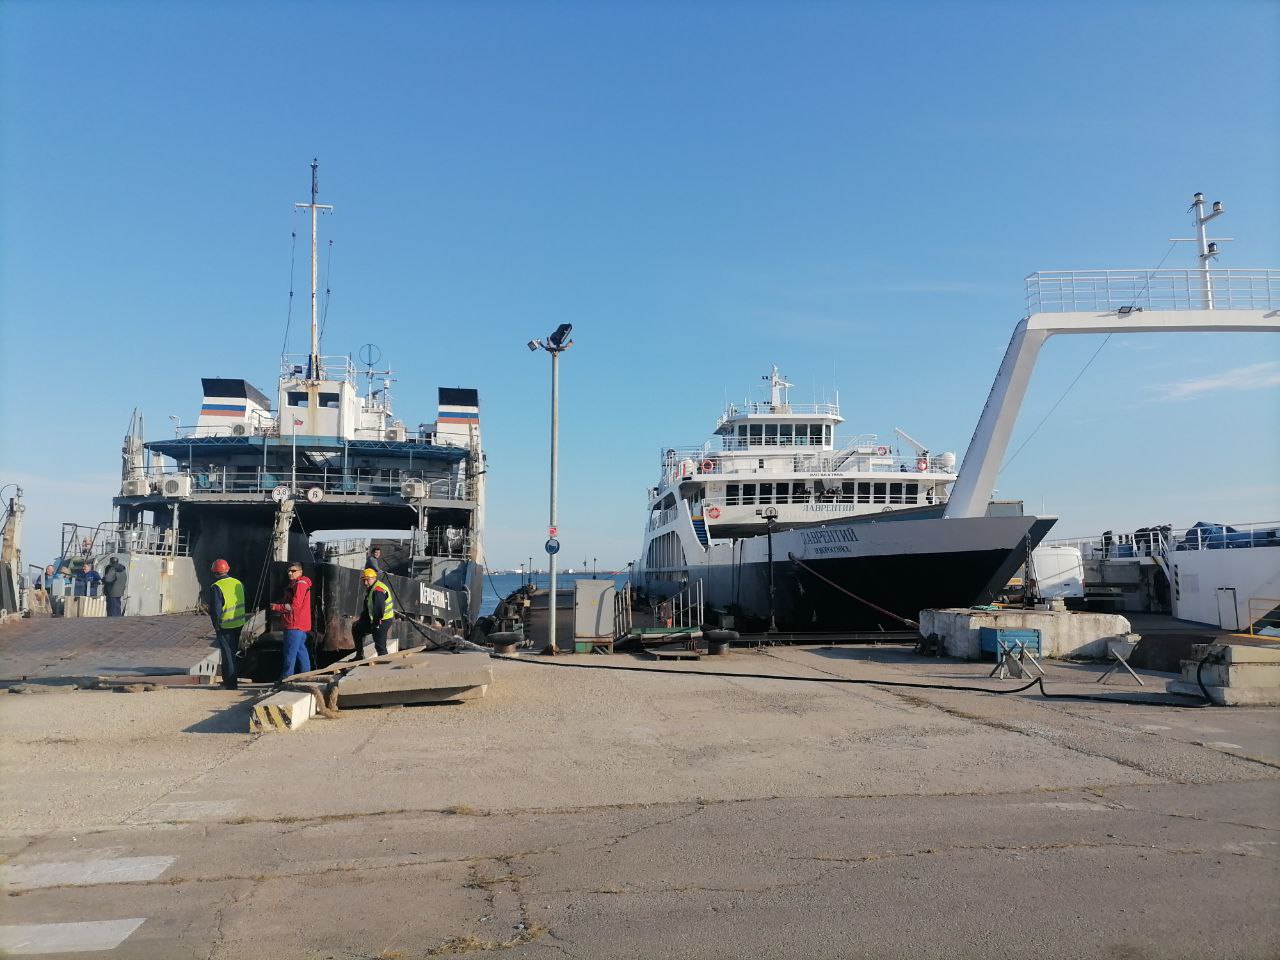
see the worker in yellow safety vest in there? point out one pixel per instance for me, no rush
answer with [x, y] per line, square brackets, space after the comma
[227, 611]
[376, 614]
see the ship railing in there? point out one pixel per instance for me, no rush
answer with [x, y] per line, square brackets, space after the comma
[1187, 289]
[332, 367]
[683, 610]
[96, 543]
[1160, 541]
[453, 542]
[780, 409]
[226, 479]
[812, 465]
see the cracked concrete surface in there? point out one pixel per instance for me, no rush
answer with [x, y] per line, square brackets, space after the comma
[598, 814]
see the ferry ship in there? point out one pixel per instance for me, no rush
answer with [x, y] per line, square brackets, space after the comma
[851, 529]
[258, 480]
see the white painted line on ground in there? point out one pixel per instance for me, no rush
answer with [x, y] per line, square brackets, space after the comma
[81, 873]
[28, 939]
[185, 810]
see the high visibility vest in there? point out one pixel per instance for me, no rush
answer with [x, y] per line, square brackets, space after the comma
[232, 602]
[387, 612]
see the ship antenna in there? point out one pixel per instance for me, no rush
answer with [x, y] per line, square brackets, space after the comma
[1208, 248]
[313, 363]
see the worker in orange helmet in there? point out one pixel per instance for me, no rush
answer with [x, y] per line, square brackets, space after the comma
[376, 614]
[227, 611]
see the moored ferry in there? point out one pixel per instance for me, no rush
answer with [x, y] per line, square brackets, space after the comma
[852, 528]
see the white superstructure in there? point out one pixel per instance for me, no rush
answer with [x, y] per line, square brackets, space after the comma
[781, 461]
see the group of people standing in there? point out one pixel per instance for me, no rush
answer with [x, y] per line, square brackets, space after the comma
[58, 583]
[228, 612]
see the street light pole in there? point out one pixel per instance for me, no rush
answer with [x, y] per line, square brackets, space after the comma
[555, 473]
[555, 344]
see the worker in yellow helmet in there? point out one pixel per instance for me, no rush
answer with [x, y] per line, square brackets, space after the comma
[376, 614]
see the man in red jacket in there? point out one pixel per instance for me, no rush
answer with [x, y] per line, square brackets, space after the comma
[295, 620]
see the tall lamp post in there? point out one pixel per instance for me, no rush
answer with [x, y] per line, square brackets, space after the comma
[555, 344]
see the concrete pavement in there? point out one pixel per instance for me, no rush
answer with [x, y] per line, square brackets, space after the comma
[601, 814]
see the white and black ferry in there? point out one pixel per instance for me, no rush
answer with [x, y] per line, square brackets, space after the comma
[852, 527]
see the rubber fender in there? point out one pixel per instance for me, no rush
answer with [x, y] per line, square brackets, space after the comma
[720, 636]
[504, 638]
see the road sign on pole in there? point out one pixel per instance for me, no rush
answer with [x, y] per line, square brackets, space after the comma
[553, 546]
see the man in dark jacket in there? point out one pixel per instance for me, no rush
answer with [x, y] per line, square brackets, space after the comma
[295, 621]
[114, 581]
[88, 581]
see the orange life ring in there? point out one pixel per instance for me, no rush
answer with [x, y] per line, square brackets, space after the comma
[882, 451]
[713, 513]
[708, 466]
[922, 465]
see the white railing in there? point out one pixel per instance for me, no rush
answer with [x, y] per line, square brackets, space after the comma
[780, 409]
[101, 541]
[1157, 541]
[337, 482]
[1113, 290]
[334, 366]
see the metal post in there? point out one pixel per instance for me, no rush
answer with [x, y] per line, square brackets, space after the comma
[770, 518]
[555, 452]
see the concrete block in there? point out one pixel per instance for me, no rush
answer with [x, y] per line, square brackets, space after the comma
[282, 711]
[1262, 652]
[1062, 634]
[1234, 674]
[1229, 696]
[417, 678]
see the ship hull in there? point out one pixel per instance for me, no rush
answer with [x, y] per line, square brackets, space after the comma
[863, 575]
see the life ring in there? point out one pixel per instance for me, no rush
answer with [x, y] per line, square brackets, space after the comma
[882, 451]
[713, 513]
[922, 465]
[708, 466]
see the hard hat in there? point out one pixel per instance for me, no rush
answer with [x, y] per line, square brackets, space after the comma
[369, 572]
[221, 566]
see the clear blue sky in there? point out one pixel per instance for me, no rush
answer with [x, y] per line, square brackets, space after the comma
[853, 191]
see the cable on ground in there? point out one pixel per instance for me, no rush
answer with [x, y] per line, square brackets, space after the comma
[950, 687]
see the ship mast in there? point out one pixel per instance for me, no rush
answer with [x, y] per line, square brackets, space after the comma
[313, 364]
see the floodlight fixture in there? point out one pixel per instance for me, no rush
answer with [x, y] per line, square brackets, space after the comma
[557, 339]
[534, 345]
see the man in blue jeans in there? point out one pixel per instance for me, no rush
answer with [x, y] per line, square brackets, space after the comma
[295, 621]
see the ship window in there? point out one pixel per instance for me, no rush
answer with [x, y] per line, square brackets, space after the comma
[329, 400]
[757, 430]
[799, 493]
[782, 493]
[802, 434]
[771, 434]
[766, 493]
[878, 493]
[296, 398]
[731, 495]
[742, 435]
[826, 434]
[848, 491]
[895, 493]
[748, 494]
[864, 492]
[786, 434]
[913, 493]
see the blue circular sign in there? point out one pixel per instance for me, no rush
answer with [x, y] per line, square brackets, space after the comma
[553, 545]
